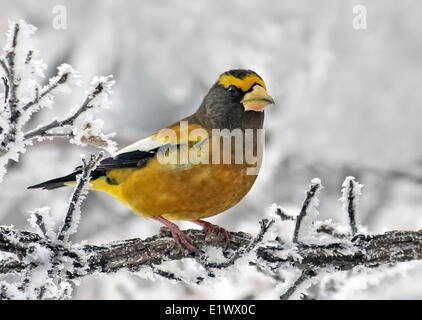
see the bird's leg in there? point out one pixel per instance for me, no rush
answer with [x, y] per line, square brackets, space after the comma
[181, 239]
[213, 231]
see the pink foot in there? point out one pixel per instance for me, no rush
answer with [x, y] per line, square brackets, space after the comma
[214, 232]
[181, 239]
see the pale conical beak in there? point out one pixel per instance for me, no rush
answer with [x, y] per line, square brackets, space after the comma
[257, 99]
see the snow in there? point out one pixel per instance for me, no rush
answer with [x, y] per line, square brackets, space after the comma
[86, 129]
[307, 229]
[340, 112]
[22, 63]
[89, 131]
[215, 254]
[26, 73]
[44, 216]
[283, 229]
[351, 192]
[354, 283]
[357, 192]
[40, 257]
[44, 276]
[38, 280]
[316, 181]
[75, 204]
[103, 98]
[73, 78]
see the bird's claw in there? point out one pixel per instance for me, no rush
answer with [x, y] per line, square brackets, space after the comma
[184, 241]
[214, 233]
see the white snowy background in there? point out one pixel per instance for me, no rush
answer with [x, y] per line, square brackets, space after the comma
[349, 102]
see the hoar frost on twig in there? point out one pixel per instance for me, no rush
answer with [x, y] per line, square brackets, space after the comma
[46, 269]
[23, 96]
[308, 211]
[351, 192]
[292, 265]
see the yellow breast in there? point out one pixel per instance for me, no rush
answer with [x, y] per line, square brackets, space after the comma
[178, 191]
[199, 192]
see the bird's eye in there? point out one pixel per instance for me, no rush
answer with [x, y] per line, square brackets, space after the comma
[233, 90]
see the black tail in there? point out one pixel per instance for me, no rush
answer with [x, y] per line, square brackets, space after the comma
[133, 159]
[56, 183]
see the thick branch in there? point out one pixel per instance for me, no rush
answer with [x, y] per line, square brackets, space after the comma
[11, 266]
[133, 254]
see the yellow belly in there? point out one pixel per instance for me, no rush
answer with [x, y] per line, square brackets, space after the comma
[179, 193]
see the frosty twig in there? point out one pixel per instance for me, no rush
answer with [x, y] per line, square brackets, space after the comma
[60, 79]
[21, 71]
[59, 261]
[79, 193]
[350, 197]
[351, 208]
[306, 274]
[51, 256]
[11, 87]
[265, 225]
[45, 131]
[283, 216]
[310, 195]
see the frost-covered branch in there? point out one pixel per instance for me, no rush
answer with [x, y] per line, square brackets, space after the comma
[329, 248]
[100, 86]
[10, 265]
[370, 252]
[134, 254]
[351, 192]
[45, 263]
[63, 72]
[23, 96]
[239, 252]
[308, 204]
[79, 193]
[283, 216]
[305, 275]
[11, 86]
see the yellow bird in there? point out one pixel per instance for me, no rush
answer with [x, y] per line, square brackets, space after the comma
[194, 168]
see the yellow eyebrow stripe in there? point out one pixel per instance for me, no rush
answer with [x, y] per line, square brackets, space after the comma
[227, 80]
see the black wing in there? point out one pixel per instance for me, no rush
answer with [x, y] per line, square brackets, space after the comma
[127, 160]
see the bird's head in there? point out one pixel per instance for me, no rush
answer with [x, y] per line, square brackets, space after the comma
[236, 100]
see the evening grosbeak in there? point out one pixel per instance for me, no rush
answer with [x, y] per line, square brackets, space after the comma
[142, 177]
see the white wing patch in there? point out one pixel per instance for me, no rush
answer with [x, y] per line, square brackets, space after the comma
[164, 137]
[142, 145]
